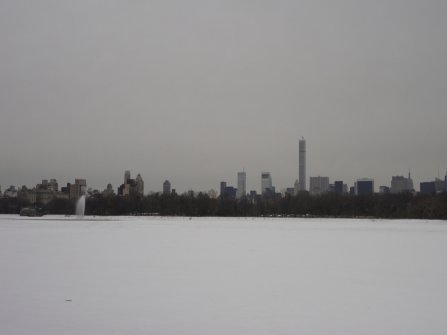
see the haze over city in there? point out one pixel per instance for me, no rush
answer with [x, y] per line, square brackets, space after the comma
[196, 91]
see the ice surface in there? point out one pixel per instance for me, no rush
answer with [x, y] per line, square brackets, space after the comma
[222, 276]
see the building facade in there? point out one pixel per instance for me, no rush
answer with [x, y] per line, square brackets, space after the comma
[230, 192]
[126, 176]
[318, 185]
[433, 187]
[266, 183]
[166, 187]
[131, 186]
[364, 186]
[223, 185]
[139, 185]
[401, 184]
[339, 187]
[108, 191]
[241, 184]
[77, 189]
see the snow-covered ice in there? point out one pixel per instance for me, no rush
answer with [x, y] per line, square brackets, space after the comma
[222, 276]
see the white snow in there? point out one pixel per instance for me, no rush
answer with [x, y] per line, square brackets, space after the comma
[222, 276]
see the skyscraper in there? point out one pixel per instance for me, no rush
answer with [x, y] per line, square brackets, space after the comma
[166, 187]
[241, 182]
[432, 187]
[401, 184]
[139, 185]
[318, 185]
[266, 182]
[77, 189]
[126, 176]
[364, 186]
[296, 187]
[302, 164]
[223, 185]
[338, 187]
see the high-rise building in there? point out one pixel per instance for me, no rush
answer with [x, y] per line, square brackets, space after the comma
[131, 186]
[166, 187]
[77, 189]
[139, 185]
[241, 184]
[230, 192]
[401, 184]
[427, 187]
[432, 187]
[53, 185]
[364, 186]
[338, 187]
[319, 185]
[302, 164]
[296, 187]
[266, 182]
[126, 176]
[108, 190]
[223, 185]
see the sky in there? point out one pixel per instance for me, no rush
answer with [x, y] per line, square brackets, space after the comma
[195, 91]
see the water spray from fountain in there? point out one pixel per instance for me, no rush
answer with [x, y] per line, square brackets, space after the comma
[80, 207]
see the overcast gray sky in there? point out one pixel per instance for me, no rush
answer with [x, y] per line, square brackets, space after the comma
[194, 91]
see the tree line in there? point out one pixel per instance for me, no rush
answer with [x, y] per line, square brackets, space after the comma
[405, 205]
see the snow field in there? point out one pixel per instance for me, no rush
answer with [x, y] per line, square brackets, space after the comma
[155, 275]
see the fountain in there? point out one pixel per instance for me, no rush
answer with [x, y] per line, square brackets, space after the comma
[80, 207]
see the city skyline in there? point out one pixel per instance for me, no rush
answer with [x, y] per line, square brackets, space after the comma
[194, 91]
[317, 185]
[252, 181]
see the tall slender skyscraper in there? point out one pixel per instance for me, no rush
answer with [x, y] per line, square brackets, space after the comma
[126, 176]
[302, 164]
[241, 182]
